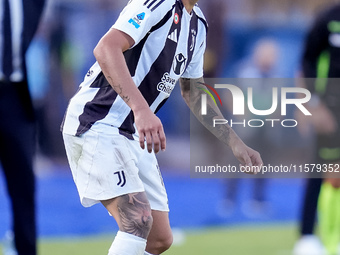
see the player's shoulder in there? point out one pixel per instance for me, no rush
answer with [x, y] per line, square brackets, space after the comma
[153, 5]
[200, 15]
[199, 12]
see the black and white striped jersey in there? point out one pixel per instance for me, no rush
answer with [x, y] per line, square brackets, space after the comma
[169, 44]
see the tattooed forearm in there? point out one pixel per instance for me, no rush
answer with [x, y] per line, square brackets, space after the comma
[118, 88]
[185, 85]
[222, 132]
[192, 95]
[135, 214]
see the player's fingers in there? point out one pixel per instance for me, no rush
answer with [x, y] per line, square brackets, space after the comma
[246, 160]
[142, 140]
[257, 161]
[156, 141]
[148, 141]
[162, 139]
[248, 165]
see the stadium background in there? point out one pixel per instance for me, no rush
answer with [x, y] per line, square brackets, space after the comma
[58, 60]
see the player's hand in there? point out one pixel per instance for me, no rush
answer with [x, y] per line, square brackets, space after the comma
[305, 126]
[150, 129]
[249, 158]
[324, 120]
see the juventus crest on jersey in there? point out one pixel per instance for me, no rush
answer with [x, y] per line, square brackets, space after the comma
[169, 44]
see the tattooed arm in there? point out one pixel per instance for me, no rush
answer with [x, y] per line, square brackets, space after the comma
[109, 54]
[225, 133]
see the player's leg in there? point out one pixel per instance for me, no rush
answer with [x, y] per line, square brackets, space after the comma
[104, 170]
[132, 213]
[20, 185]
[329, 214]
[17, 144]
[329, 217]
[328, 201]
[308, 215]
[309, 242]
[160, 237]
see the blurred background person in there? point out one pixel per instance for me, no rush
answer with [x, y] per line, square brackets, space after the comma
[254, 71]
[217, 45]
[18, 22]
[262, 62]
[65, 42]
[321, 60]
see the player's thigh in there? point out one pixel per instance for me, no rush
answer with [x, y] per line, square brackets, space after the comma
[103, 166]
[132, 213]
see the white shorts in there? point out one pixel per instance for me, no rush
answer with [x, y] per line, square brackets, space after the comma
[107, 166]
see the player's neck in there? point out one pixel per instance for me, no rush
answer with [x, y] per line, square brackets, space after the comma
[189, 4]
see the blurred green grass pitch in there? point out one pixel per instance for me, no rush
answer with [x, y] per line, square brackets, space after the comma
[236, 240]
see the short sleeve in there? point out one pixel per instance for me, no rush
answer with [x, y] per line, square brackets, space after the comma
[138, 17]
[195, 68]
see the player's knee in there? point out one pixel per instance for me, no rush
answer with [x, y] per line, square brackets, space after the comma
[166, 242]
[160, 244]
[135, 214]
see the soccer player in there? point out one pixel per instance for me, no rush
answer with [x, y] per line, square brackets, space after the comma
[321, 59]
[18, 23]
[111, 132]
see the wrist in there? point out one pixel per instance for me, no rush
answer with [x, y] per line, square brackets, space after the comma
[139, 104]
[141, 109]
